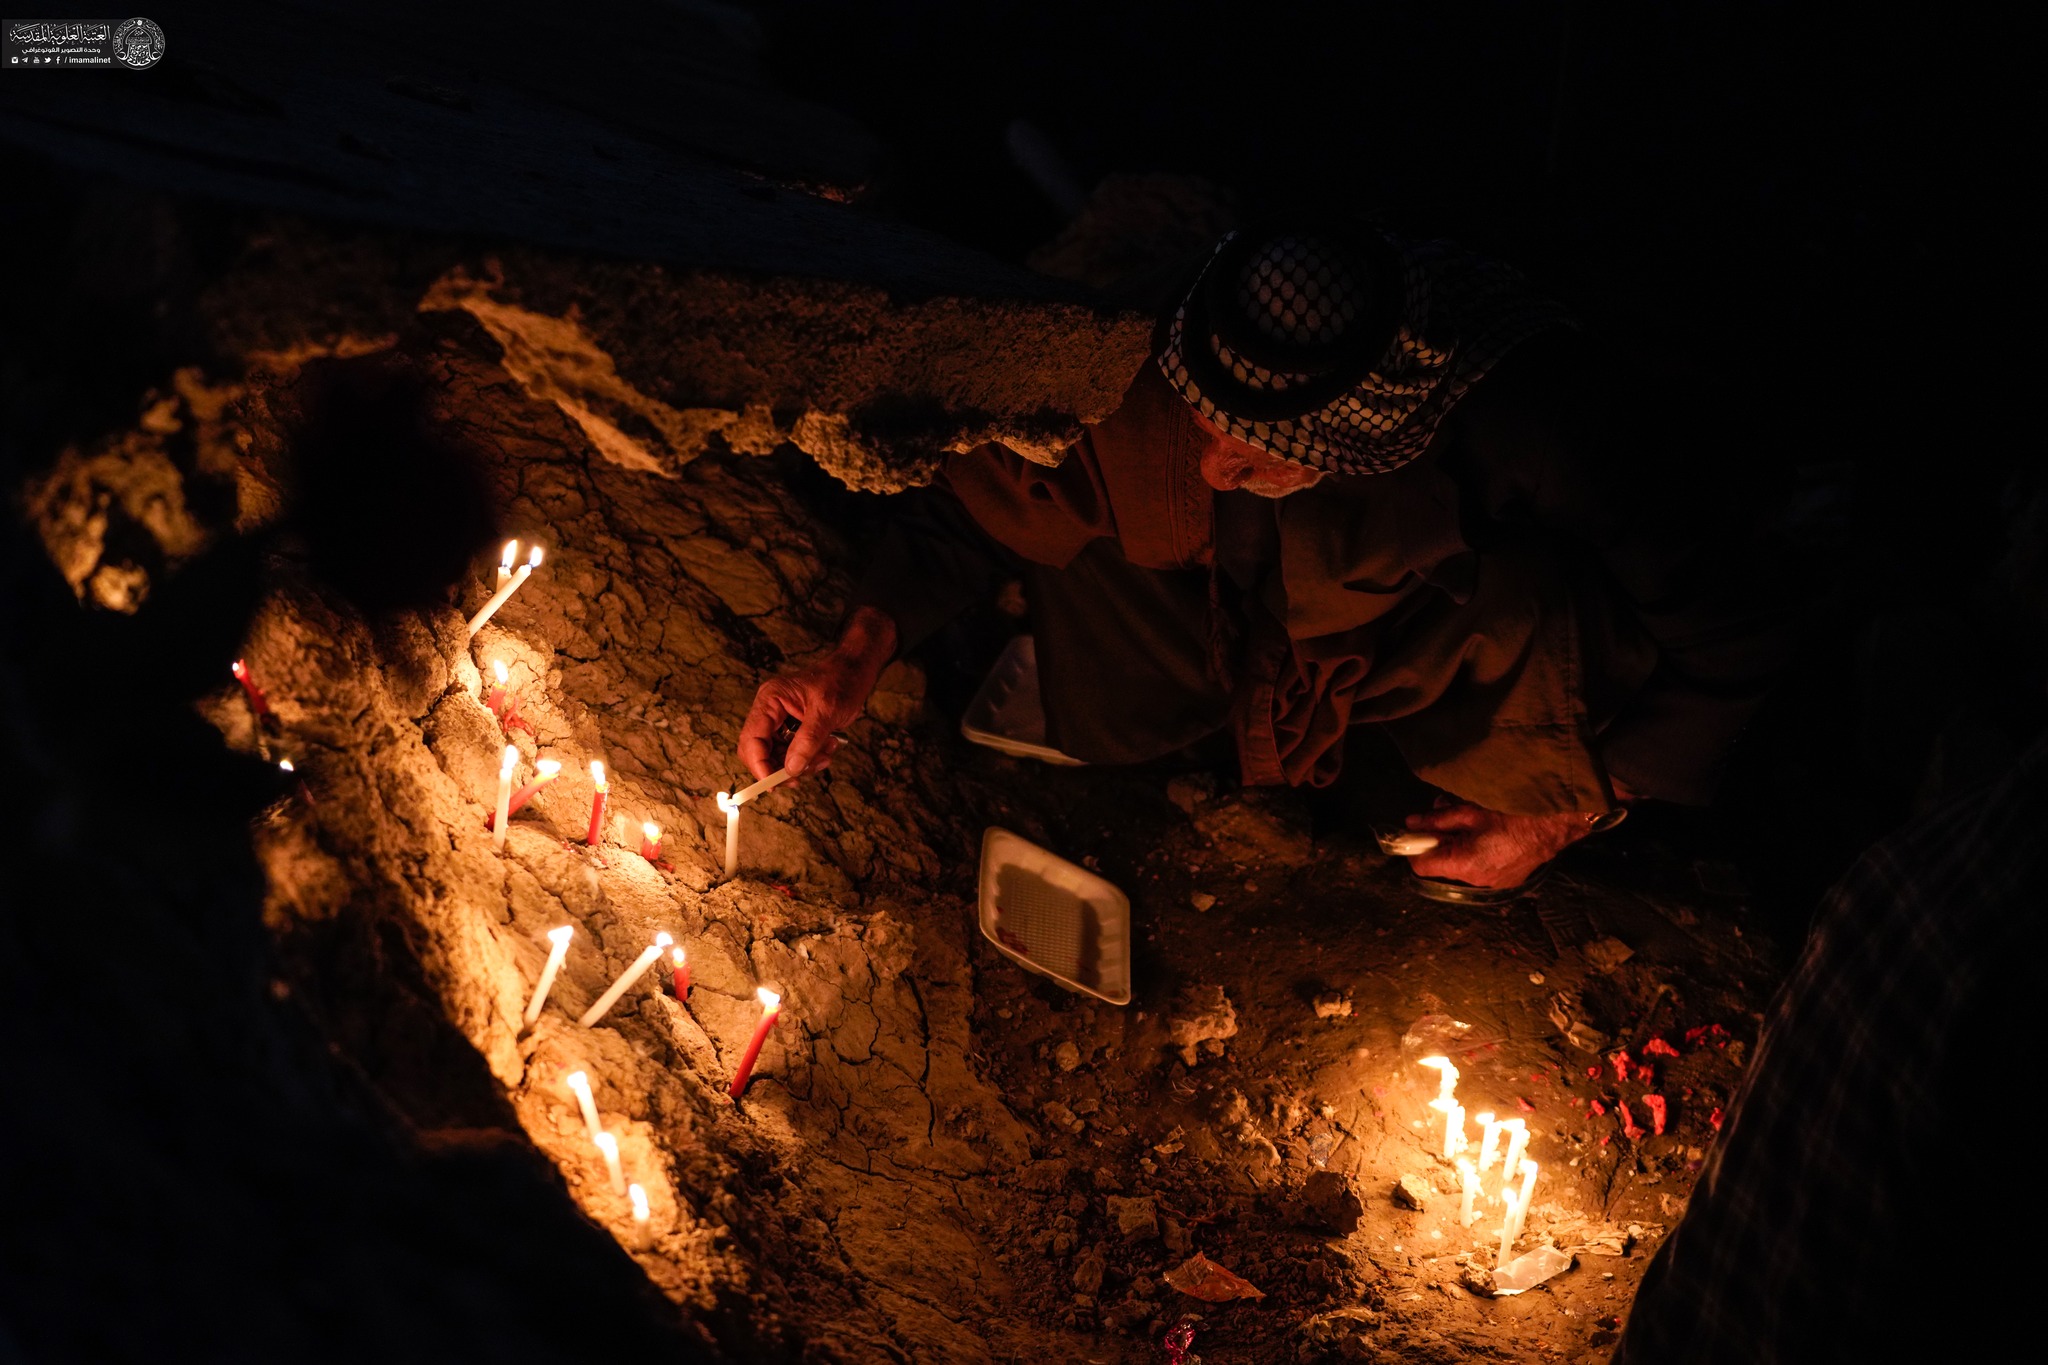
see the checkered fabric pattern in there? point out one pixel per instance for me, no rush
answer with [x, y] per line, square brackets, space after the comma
[1830, 1204]
[1306, 299]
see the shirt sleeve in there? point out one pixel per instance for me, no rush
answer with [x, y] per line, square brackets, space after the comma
[1630, 466]
[931, 563]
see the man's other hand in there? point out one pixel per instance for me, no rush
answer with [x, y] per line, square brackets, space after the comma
[1482, 847]
[822, 699]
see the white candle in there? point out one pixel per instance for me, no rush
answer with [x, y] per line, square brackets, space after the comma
[505, 561]
[560, 939]
[580, 1083]
[1489, 1137]
[1518, 1208]
[609, 1145]
[732, 833]
[763, 787]
[1468, 1176]
[626, 979]
[1454, 1130]
[505, 590]
[1449, 1084]
[1518, 1138]
[1507, 1229]
[504, 820]
[641, 1212]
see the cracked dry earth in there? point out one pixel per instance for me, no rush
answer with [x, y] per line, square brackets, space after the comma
[940, 1158]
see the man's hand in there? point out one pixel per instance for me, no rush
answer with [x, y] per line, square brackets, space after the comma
[823, 698]
[1485, 848]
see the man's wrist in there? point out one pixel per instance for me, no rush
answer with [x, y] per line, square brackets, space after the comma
[868, 638]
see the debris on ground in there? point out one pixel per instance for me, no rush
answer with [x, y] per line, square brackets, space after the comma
[1606, 954]
[1201, 1278]
[1332, 1005]
[1411, 1192]
[1136, 1218]
[1201, 1020]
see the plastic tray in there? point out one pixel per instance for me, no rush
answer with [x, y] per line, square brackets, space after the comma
[1007, 713]
[1054, 918]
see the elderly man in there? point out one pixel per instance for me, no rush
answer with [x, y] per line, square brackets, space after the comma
[1365, 483]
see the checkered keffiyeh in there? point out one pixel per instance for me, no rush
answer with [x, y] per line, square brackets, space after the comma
[1344, 350]
[1831, 1207]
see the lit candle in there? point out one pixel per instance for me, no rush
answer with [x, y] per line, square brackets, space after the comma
[257, 701]
[1454, 1128]
[764, 786]
[505, 590]
[544, 772]
[682, 974]
[596, 834]
[560, 939]
[1449, 1074]
[503, 817]
[505, 561]
[732, 833]
[609, 1145]
[641, 1213]
[579, 1082]
[626, 979]
[1468, 1176]
[1489, 1137]
[285, 765]
[1518, 1209]
[1518, 1138]
[771, 1006]
[494, 700]
[650, 841]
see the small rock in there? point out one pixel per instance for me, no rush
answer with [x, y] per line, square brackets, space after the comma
[1605, 954]
[1333, 1005]
[1329, 1202]
[1174, 1235]
[1066, 1056]
[1478, 1279]
[1189, 792]
[1088, 1273]
[1233, 1109]
[1059, 1116]
[1202, 1015]
[1411, 1192]
[1135, 1218]
[1201, 900]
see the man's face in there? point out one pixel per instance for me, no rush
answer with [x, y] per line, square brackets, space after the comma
[1230, 465]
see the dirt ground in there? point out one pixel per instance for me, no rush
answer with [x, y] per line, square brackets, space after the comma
[942, 1158]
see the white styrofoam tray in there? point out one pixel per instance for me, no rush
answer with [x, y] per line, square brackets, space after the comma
[1055, 918]
[1007, 713]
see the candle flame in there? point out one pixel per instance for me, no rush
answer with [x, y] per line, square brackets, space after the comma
[769, 999]
[286, 764]
[651, 831]
[578, 1081]
[662, 940]
[1440, 1063]
[238, 669]
[639, 1198]
[727, 804]
[503, 674]
[677, 955]
[607, 1144]
[562, 935]
[510, 761]
[533, 560]
[1485, 1116]
[548, 767]
[597, 773]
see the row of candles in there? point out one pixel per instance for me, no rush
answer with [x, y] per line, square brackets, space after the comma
[504, 704]
[558, 952]
[1508, 1138]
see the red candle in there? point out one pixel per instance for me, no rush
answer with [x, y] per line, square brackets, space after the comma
[771, 1005]
[545, 771]
[682, 979]
[494, 700]
[596, 834]
[650, 842]
[257, 701]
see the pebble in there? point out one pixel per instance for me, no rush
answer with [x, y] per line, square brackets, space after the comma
[1536, 978]
[1201, 900]
[1066, 1056]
